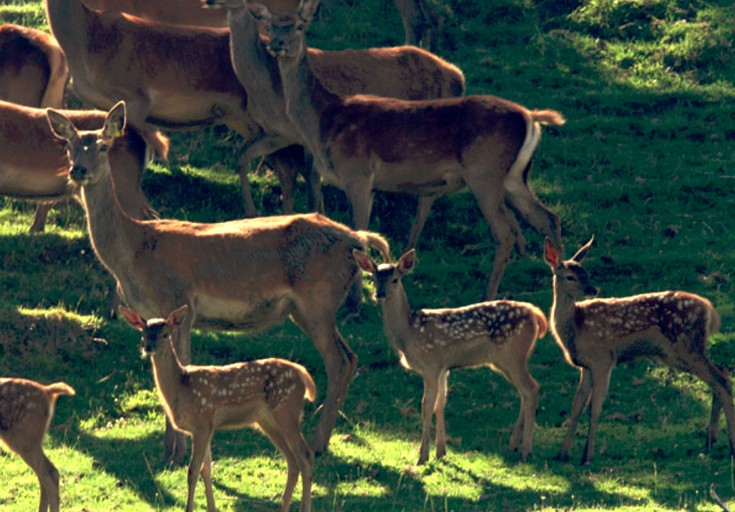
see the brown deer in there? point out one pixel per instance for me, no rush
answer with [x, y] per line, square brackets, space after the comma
[595, 335]
[26, 410]
[500, 335]
[426, 148]
[401, 72]
[239, 275]
[268, 394]
[33, 73]
[34, 163]
[175, 12]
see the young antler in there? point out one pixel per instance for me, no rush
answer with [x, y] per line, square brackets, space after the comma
[671, 327]
[26, 410]
[268, 394]
[500, 335]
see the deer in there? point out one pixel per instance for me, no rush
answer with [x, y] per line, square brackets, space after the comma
[671, 327]
[34, 163]
[247, 274]
[267, 393]
[397, 72]
[500, 335]
[33, 72]
[427, 148]
[175, 12]
[26, 410]
[420, 22]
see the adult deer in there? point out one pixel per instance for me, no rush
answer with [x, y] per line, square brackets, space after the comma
[33, 73]
[268, 394]
[500, 335]
[426, 148]
[34, 163]
[26, 410]
[595, 335]
[175, 12]
[401, 72]
[240, 275]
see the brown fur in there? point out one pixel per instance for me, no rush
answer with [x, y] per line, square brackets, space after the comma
[175, 12]
[26, 410]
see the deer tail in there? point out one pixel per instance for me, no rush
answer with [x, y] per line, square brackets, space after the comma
[377, 242]
[60, 388]
[305, 376]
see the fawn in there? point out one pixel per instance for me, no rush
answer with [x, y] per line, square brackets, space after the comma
[268, 394]
[498, 334]
[26, 410]
[596, 334]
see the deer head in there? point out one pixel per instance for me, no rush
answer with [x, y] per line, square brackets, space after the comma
[569, 276]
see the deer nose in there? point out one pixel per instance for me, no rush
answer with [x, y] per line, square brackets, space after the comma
[78, 172]
[276, 48]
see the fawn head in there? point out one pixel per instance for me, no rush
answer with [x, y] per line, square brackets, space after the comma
[569, 275]
[286, 31]
[87, 150]
[387, 276]
[155, 330]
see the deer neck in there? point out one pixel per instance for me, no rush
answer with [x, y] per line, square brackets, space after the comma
[396, 318]
[169, 374]
[306, 100]
[111, 231]
[68, 22]
[564, 319]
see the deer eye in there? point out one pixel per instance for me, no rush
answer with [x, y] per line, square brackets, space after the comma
[571, 278]
[103, 147]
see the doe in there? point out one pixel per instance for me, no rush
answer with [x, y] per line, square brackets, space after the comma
[499, 334]
[26, 410]
[671, 327]
[268, 393]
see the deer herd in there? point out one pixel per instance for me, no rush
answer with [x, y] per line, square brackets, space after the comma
[389, 119]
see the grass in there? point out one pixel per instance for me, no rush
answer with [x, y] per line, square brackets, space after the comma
[644, 163]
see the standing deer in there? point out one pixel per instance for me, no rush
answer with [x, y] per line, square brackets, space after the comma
[268, 394]
[595, 335]
[500, 335]
[26, 410]
[240, 275]
[33, 73]
[401, 72]
[426, 148]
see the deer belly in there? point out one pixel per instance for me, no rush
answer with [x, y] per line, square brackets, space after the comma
[231, 314]
[425, 180]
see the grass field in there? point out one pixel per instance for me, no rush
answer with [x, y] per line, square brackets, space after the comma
[646, 163]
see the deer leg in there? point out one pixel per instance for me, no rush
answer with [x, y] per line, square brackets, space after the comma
[287, 163]
[39, 218]
[419, 221]
[360, 194]
[518, 375]
[200, 446]
[439, 407]
[175, 440]
[48, 477]
[502, 225]
[581, 398]
[247, 193]
[600, 383]
[289, 421]
[314, 196]
[722, 399]
[428, 402]
[714, 422]
[533, 211]
[278, 433]
[207, 477]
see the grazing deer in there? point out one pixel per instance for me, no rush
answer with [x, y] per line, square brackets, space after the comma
[26, 410]
[34, 164]
[33, 73]
[240, 275]
[402, 72]
[175, 12]
[500, 335]
[595, 335]
[426, 148]
[268, 394]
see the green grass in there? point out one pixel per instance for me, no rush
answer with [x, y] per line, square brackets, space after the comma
[645, 163]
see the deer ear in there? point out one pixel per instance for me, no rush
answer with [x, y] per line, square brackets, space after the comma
[363, 261]
[307, 9]
[407, 262]
[551, 254]
[134, 319]
[582, 252]
[176, 318]
[259, 11]
[115, 121]
[61, 126]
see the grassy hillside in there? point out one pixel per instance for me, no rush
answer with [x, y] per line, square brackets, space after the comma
[644, 163]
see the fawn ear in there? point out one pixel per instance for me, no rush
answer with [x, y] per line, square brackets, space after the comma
[363, 261]
[259, 11]
[134, 319]
[307, 9]
[551, 254]
[115, 121]
[176, 318]
[407, 262]
[582, 252]
[61, 126]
